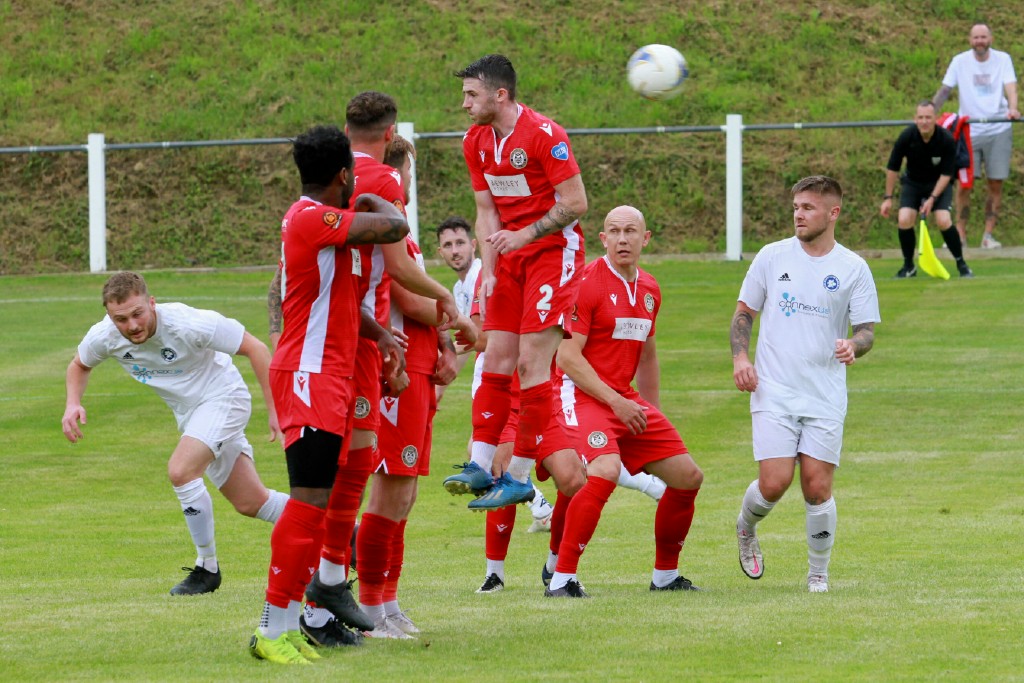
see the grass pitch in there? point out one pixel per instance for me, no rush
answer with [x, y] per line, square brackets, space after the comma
[926, 576]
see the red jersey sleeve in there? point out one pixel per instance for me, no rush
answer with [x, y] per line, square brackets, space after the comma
[470, 146]
[583, 311]
[555, 153]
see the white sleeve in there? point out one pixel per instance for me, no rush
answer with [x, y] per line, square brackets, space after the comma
[949, 80]
[753, 291]
[1011, 75]
[212, 330]
[864, 299]
[93, 349]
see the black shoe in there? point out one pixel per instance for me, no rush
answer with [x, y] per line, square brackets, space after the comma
[545, 575]
[573, 589]
[197, 582]
[492, 584]
[964, 269]
[907, 271]
[338, 601]
[331, 634]
[678, 584]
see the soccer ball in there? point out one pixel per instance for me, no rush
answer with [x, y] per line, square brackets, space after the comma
[657, 72]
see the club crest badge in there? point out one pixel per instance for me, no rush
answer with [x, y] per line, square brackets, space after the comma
[409, 456]
[649, 302]
[362, 407]
[597, 440]
[518, 158]
[168, 354]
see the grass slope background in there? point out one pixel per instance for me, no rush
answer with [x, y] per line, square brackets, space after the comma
[926, 576]
[253, 69]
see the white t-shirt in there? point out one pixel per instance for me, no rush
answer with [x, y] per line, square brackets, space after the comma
[187, 361]
[463, 289]
[806, 303]
[981, 88]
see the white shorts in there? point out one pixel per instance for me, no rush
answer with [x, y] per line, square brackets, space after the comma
[220, 424]
[784, 436]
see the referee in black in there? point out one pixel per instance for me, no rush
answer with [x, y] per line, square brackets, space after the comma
[926, 187]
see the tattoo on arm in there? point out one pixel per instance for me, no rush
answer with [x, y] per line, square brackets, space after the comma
[378, 229]
[557, 218]
[863, 338]
[274, 303]
[941, 96]
[739, 334]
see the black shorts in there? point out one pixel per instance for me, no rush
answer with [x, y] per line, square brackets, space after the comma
[913, 195]
[313, 459]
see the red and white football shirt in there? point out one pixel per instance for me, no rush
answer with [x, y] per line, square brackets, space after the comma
[319, 291]
[521, 171]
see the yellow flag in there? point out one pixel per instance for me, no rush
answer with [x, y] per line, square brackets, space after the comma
[926, 259]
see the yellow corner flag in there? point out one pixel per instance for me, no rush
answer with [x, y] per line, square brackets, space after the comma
[926, 258]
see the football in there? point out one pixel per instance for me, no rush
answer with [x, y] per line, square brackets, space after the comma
[657, 72]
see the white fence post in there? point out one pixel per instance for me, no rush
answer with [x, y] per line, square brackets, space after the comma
[97, 203]
[733, 187]
[408, 131]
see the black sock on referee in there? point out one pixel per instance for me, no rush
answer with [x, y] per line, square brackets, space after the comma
[952, 238]
[907, 245]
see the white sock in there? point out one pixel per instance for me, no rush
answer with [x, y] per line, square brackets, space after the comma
[663, 577]
[375, 612]
[642, 482]
[292, 614]
[198, 508]
[316, 616]
[331, 574]
[552, 561]
[559, 580]
[519, 468]
[482, 454]
[391, 608]
[274, 506]
[754, 508]
[496, 567]
[273, 621]
[821, 534]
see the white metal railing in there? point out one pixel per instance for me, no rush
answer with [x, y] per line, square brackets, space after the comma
[733, 130]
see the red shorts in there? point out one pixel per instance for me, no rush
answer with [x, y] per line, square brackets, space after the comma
[598, 431]
[311, 399]
[366, 409]
[535, 293]
[556, 438]
[403, 442]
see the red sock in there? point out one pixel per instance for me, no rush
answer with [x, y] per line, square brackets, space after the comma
[494, 400]
[534, 414]
[343, 505]
[373, 545]
[671, 524]
[558, 521]
[498, 531]
[395, 563]
[312, 559]
[580, 521]
[294, 536]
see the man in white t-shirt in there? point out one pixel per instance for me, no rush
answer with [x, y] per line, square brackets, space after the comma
[809, 289]
[184, 354]
[987, 88]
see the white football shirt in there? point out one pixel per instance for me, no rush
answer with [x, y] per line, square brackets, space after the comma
[806, 303]
[981, 89]
[186, 361]
[463, 289]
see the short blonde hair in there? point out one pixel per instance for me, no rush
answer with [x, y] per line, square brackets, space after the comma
[121, 286]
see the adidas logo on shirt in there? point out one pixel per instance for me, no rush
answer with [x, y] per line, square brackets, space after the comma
[127, 356]
[784, 277]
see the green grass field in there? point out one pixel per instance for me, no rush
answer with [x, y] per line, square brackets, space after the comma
[924, 581]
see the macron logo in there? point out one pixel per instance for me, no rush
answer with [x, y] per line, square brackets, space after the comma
[543, 315]
[539, 439]
[615, 299]
[501, 528]
[546, 127]
[276, 570]
[582, 546]
[487, 416]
